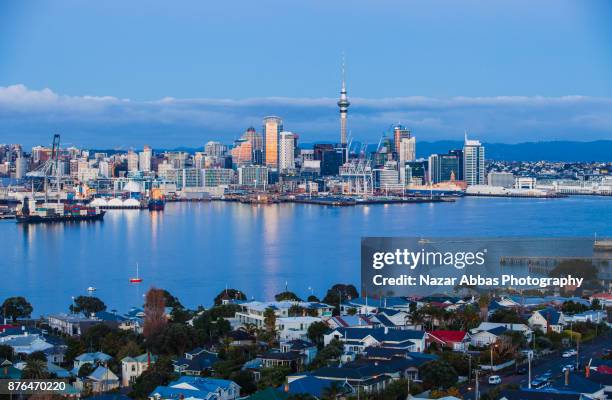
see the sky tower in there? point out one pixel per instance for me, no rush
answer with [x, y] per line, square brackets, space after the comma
[343, 104]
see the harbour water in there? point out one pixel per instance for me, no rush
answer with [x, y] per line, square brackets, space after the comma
[197, 249]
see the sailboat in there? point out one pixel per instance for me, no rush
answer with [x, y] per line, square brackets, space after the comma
[137, 279]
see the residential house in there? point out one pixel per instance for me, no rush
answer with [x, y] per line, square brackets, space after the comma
[8, 371]
[593, 316]
[547, 319]
[487, 326]
[133, 367]
[454, 340]
[95, 359]
[100, 380]
[240, 337]
[357, 339]
[307, 349]
[252, 312]
[274, 358]
[197, 388]
[75, 324]
[290, 328]
[195, 362]
[485, 338]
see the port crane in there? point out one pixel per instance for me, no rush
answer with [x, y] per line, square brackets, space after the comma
[50, 168]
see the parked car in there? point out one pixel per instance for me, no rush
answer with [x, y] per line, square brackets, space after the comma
[569, 367]
[494, 380]
[569, 353]
[539, 383]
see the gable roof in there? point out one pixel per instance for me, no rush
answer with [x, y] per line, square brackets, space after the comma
[551, 315]
[448, 336]
[313, 386]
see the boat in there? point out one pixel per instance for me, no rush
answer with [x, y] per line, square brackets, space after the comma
[137, 279]
[157, 202]
[91, 289]
[30, 213]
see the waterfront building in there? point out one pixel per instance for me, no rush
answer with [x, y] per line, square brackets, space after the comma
[253, 175]
[144, 159]
[132, 162]
[212, 177]
[459, 154]
[443, 167]
[215, 149]
[503, 179]
[272, 126]
[331, 158]
[286, 151]
[473, 162]
[387, 178]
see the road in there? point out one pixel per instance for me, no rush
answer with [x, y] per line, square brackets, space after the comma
[552, 363]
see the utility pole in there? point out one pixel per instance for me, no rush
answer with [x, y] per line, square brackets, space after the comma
[477, 394]
[529, 358]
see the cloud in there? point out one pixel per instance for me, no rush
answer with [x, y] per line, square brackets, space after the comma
[30, 117]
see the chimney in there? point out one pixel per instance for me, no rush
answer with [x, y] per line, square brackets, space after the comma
[587, 371]
[286, 388]
[567, 372]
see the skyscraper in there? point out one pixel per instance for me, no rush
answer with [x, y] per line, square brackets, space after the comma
[256, 141]
[132, 162]
[473, 162]
[443, 167]
[144, 159]
[215, 149]
[272, 126]
[405, 149]
[286, 152]
[343, 104]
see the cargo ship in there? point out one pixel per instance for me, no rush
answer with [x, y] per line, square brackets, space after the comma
[30, 213]
[157, 202]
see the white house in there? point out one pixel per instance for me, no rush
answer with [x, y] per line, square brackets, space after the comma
[547, 318]
[358, 339]
[252, 312]
[290, 328]
[133, 367]
[197, 388]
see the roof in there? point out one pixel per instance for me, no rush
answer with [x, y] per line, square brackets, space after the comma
[298, 344]
[313, 386]
[93, 357]
[391, 335]
[550, 315]
[448, 336]
[577, 384]
[143, 358]
[201, 360]
[103, 374]
[498, 330]
[277, 355]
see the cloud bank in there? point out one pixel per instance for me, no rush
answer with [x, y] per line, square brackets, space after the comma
[31, 116]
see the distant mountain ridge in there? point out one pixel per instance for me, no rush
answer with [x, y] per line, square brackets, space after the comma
[562, 150]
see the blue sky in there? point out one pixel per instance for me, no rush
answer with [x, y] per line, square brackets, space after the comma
[103, 73]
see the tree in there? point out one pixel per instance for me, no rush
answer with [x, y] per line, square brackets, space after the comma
[286, 295]
[87, 305]
[397, 389]
[159, 374]
[313, 298]
[245, 380]
[596, 304]
[85, 370]
[35, 369]
[273, 377]
[316, 330]
[296, 311]
[270, 319]
[17, 307]
[438, 375]
[569, 307]
[339, 293]
[93, 337]
[155, 312]
[507, 315]
[171, 301]
[6, 352]
[37, 355]
[328, 353]
[174, 339]
[229, 294]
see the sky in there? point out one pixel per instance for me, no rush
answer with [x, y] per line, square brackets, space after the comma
[126, 73]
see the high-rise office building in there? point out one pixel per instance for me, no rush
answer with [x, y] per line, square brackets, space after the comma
[257, 144]
[286, 151]
[253, 175]
[459, 154]
[144, 159]
[443, 167]
[272, 126]
[215, 149]
[473, 162]
[132, 162]
[405, 149]
[242, 153]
